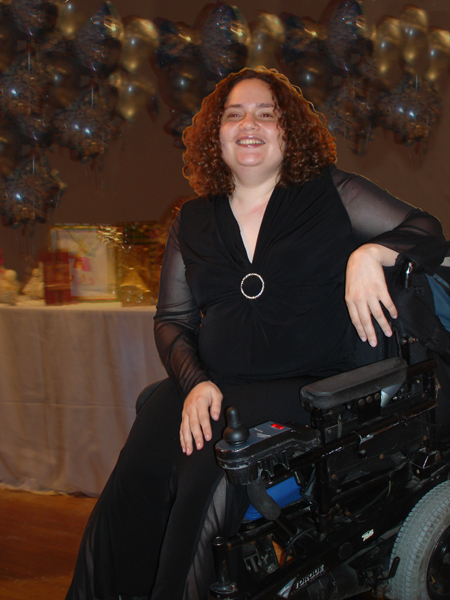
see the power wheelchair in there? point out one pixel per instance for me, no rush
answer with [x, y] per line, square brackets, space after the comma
[368, 503]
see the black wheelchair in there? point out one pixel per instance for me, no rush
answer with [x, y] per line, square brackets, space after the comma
[366, 485]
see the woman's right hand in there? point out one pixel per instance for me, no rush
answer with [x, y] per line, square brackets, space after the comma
[202, 402]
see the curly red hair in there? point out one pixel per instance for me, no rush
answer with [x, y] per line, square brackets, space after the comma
[309, 146]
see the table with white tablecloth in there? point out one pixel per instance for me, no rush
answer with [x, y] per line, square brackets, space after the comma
[69, 379]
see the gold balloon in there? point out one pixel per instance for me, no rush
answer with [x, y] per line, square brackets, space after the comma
[134, 93]
[387, 52]
[414, 34]
[140, 39]
[438, 56]
[70, 18]
[267, 33]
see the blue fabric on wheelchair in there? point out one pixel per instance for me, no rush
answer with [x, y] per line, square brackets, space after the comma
[284, 493]
[441, 302]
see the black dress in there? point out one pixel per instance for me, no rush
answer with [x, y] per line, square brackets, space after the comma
[259, 330]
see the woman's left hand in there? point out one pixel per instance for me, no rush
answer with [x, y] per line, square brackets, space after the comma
[366, 290]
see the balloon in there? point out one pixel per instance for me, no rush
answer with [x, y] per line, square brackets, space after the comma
[10, 148]
[347, 31]
[183, 86]
[64, 79]
[225, 39]
[351, 111]
[314, 76]
[23, 85]
[387, 53]
[139, 41]
[70, 18]
[301, 35]
[32, 18]
[177, 41]
[410, 110]
[29, 192]
[36, 128]
[88, 126]
[98, 43]
[414, 28]
[438, 56]
[176, 125]
[134, 93]
[267, 33]
[8, 45]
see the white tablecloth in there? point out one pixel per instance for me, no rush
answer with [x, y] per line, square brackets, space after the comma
[69, 378]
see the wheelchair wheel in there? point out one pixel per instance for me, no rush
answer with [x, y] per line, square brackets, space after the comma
[423, 546]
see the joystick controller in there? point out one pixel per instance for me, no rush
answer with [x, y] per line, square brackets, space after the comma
[235, 433]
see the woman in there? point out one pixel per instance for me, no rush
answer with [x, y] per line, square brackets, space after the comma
[252, 305]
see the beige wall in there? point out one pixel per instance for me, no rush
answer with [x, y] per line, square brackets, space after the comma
[142, 171]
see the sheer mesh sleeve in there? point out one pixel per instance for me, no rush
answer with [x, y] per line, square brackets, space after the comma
[177, 319]
[378, 217]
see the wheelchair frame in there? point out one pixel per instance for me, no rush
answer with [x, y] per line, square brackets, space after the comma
[362, 465]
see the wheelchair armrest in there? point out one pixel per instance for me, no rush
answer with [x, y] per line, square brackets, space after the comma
[352, 385]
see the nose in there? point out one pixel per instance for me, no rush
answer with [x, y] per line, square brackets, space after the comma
[248, 122]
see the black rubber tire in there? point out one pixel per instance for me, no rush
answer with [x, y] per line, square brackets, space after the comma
[423, 546]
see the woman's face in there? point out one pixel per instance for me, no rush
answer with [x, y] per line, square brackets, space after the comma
[249, 134]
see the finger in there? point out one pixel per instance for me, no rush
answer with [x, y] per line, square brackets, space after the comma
[216, 407]
[185, 432]
[354, 317]
[205, 425]
[183, 445]
[199, 424]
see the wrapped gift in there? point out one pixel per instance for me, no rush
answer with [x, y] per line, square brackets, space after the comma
[139, 259]
[56, 277]
[92, 263]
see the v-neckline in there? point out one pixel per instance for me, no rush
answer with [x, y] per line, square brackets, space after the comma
[260, 230]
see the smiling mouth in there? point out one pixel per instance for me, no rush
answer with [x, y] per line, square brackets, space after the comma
[250, 142]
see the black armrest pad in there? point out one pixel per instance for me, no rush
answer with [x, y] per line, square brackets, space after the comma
[355, 384]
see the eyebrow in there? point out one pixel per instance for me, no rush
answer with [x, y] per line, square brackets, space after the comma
[261, 105]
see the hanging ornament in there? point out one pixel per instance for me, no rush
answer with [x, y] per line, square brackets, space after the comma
[29, 192]
[225, 39]
[177, 42]
[302, 36]
[347, 33]
[98, 43]
[33, 18]
[411, 110]
[88, 126]
[351, 112]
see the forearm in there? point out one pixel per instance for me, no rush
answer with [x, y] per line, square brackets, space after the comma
[384, 255]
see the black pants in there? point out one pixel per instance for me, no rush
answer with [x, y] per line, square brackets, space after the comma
[145, 532]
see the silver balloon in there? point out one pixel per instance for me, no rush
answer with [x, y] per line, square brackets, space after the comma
[139, 41]
[438, 56]
[267, 33]
[414, 35]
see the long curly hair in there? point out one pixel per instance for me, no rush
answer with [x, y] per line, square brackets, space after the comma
[309, 146]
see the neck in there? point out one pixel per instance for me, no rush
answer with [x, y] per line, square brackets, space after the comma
[251, 193]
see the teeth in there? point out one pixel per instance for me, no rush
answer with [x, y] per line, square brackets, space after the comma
[250, 142]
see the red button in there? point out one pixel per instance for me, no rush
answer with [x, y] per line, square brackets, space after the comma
[277, 426]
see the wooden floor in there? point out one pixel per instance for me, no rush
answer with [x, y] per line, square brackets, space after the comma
[39, 537]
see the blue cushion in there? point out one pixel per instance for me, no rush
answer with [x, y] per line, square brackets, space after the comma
[284, 493]
[441, 302]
